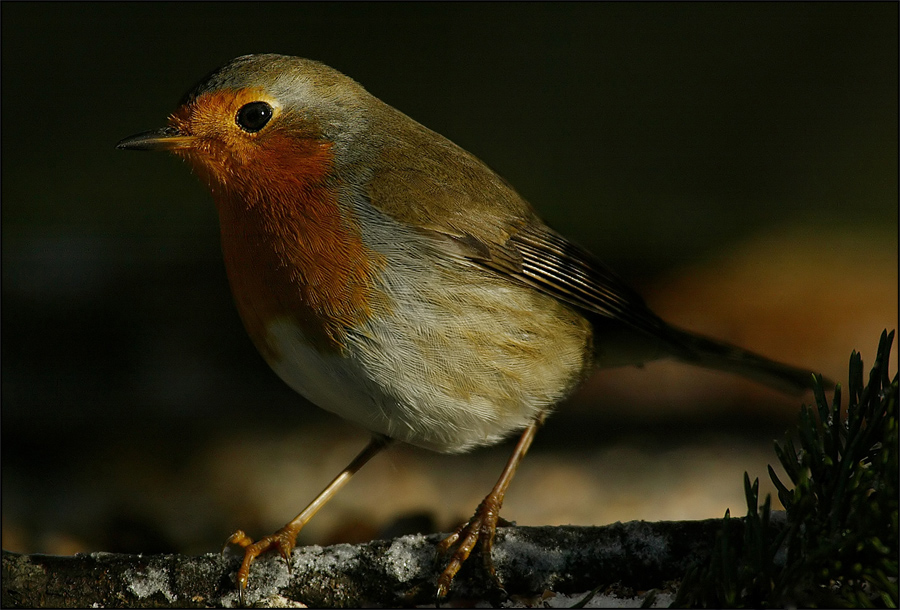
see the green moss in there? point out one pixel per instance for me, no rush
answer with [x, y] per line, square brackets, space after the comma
[838, 546]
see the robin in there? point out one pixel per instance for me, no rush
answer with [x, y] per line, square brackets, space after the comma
[394, 279]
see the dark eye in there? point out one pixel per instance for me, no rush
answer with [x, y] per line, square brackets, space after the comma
[253, 116]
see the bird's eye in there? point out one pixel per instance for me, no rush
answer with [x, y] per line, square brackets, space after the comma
[253, 116]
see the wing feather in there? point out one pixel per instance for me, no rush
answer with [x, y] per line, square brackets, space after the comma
[540, 257]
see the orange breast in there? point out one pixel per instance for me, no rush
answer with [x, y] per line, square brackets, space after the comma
[291, 251]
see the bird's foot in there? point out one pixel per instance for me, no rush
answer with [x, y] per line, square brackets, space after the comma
[283, 540]
[480, 528]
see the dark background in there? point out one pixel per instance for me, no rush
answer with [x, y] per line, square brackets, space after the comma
[736, 162]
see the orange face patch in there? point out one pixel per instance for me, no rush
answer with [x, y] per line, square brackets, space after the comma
[220, 143]
[291, 249]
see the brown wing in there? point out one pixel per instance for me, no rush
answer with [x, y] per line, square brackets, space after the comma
[430, 183]
[544, 259]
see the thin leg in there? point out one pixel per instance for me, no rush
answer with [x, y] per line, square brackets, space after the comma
[285, 538]
[483, 524]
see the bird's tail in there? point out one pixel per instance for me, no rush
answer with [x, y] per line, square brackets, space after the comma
[722, 356]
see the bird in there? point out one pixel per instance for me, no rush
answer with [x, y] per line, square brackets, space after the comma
[392, 278]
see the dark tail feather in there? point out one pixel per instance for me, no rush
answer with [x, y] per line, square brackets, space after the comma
[722, 356]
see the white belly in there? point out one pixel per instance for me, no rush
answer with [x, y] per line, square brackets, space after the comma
[446, 369]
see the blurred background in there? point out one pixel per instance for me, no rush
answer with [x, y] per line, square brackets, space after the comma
[736, 162]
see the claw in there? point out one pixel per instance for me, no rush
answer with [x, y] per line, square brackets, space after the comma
[286, 538]
[439, 595]
[285, 550]
[238, 538]
[483, 524]
[480, 528]
[283, 540]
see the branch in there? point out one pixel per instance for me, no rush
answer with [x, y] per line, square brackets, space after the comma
[400, 572]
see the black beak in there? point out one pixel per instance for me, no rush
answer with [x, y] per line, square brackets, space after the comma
[166, 138]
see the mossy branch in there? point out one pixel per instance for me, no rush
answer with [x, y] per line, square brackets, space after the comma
[633, 556]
